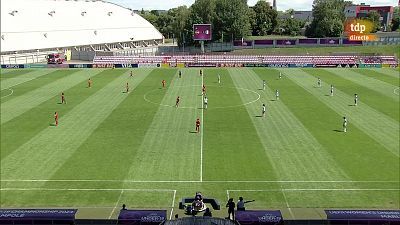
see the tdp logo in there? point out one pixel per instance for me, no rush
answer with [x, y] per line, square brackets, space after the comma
[359, 30]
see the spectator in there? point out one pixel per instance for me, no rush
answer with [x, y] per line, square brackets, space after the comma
[123, 207]
[176, 216]
[240, 204]
[231, 209]
[198, 196]
[207, 213]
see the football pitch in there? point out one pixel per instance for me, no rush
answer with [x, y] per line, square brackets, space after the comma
[112, 148]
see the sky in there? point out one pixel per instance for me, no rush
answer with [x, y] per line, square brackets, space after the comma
[282, 4]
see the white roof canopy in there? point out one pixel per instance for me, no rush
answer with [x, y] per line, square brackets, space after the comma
[40, 24]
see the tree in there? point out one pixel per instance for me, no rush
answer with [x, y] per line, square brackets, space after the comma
[155, 12]
[151, 18]
[328, 19]
[232, 19]
[290, 12]
[180, 16]
[291, 26]
[374, 17]
[253, 22]
[265, 19]
[204, 10]
[164, 24]
[396, 19]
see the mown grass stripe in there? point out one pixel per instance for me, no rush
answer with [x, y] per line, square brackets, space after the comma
[44, 154]
[378, 75]
[232, 148]
[31, 99]
[36, 119]
[117, 138]
[169, 137]
[24, 77]
[373, 99]
[324, 124]
[292, 149]
[26, 87]
[388, 71]
[11, 73]
[370, 83]
[375, 124]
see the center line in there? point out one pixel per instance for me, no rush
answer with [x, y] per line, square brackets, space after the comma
[202, 131]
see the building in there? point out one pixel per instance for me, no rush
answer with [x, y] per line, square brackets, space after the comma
[305, 16]
[64, 24]
[361, 11]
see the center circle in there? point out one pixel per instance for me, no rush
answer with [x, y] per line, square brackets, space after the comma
[256, 98]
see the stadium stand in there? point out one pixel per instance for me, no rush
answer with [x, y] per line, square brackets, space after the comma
[391, 60]
[75, 25]
[256, 59]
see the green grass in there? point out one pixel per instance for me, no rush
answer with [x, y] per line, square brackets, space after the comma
[382, 49]
[12, 73]
[386, 102]
[137, 148]
[379, 76]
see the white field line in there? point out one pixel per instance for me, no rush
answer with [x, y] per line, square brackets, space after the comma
[197, 181]
[287, 205]
[116, 204]
[202, 132]
[12, 91]
[85, 189]
[396, 91]
[172, 205]
[307, 189]
[98, 189]
[319, 189]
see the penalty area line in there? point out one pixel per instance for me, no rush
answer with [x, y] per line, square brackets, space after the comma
[172, 205]
[287, 205]
[116, 204]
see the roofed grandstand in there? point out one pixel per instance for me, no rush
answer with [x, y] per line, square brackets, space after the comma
[32, 29]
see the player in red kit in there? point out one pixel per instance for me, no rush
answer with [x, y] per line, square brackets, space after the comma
[56, 118]
[163, 83]
[63, 101]
[127, 87]
[177, 101]
[198, 125]
[89, 83]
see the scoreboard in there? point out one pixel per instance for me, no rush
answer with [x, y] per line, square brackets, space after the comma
[202, 32]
